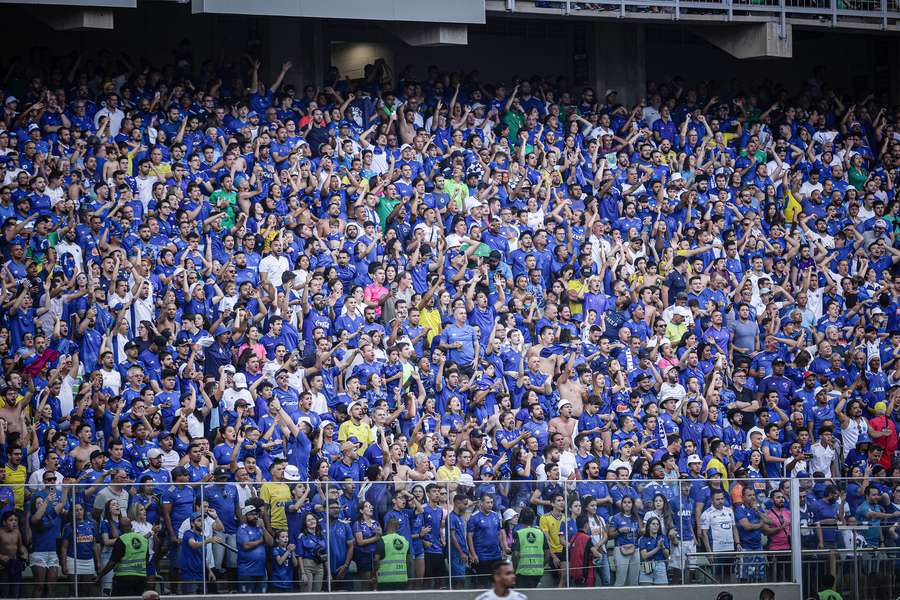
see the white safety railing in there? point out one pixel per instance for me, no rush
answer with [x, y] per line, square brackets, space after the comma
[846, 14]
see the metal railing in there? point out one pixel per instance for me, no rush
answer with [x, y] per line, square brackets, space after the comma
[841, 548]
[847, 14]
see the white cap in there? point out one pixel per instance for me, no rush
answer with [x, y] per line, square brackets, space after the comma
[292, 473]
[466, 480]
[250, 508]
[240, 381]
[693, 458]
[562, 403]
[509, 514]
[154, 453]
[306, 420]
[473, 202]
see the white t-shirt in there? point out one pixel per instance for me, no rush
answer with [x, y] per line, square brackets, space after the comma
[720, 523]
[512, 595]
[273, 267]
[822, 457]
[112, 379]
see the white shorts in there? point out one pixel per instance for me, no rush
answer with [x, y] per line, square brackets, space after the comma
[684, 555]
[85, 566]
[47, 560]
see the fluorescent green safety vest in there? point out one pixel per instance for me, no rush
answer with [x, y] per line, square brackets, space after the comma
[531, 551]
[392, 566]
[134, 562]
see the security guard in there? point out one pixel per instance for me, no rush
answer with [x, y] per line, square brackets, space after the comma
[390, 558]
[129, 562]
[530, 551]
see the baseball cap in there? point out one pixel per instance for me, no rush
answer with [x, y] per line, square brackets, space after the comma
[249, 509]
[466, 480]
[562, 403]
[240, 381]
[713, 472]
[154, 453]
[881, 407]
[221, 472]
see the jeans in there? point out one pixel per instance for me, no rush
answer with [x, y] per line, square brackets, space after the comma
[657, 574]
[252, 584]
[601, 568]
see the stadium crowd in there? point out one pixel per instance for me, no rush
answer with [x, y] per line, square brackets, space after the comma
[496, 319]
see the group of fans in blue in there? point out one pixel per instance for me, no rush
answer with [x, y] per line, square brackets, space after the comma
[392, 331]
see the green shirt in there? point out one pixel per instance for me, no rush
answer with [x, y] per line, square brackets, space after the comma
[457, 191]
[384, 209]
[231, 197]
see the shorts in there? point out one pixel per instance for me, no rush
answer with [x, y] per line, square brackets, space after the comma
[81, 566]
[365, 562]
[419, 556]
[46, 560]
[752, 567]
[684, 555]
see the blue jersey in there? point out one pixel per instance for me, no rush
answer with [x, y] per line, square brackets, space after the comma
[191, 559]
[250, 563]
[485, 532]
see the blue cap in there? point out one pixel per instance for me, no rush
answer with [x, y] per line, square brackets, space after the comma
[252, 114]
[17, 241]
[221, 330]
[713, 471]
[195, 515]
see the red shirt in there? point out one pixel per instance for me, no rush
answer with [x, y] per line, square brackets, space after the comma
[888, 443]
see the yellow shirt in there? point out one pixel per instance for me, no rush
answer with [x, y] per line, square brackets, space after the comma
[363, 432]
[550, 527]
[579, 287]
[15, 478]
[715, 463]
[277, 496]
[446, 473]
[675, 332]
[430, 319]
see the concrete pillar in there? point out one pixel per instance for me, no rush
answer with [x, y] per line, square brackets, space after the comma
[754, 40]
[617, 60]
[426, 34]
[300, 41]
[65, 19]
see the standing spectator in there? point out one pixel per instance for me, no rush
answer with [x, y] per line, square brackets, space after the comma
[624, 528]
[484, 538]
[719, 533]
[252, 540]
